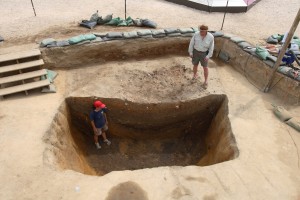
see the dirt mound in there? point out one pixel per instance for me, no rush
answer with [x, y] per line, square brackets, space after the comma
[164, 84]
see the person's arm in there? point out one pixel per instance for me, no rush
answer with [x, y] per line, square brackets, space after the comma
[93, 125]
[211, 49]
[191, 46]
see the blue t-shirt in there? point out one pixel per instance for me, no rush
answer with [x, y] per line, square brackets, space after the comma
[98, 118]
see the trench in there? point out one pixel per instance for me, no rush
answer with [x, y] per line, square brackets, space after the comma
[174, 132]
[143, 135]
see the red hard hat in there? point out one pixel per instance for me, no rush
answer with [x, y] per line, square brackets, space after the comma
[98, 104]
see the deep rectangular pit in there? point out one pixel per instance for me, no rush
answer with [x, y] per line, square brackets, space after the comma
[194, 132]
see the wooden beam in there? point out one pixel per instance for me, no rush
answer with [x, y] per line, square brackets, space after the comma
[282, 51]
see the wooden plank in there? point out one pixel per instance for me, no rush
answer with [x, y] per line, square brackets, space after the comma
[19, 55]
[20, 71]
[20, 66]
[24, 76]
[27, 86]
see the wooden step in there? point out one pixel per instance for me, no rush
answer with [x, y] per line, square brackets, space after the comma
[24, 87]
[24, 76]
[19, 66]
[19, 55]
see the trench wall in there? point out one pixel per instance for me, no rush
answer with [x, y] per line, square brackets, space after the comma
[257, 71]
[62, 150]
[220, 141]
[204, 119]
[115, 50]
[253, 68]
[148, 121]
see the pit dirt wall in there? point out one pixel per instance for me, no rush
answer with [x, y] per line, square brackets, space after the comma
[190, 129]
[250, 66]
[116, 50]
[147, 121]
[258, 72]
[220, 141]
[62, 151]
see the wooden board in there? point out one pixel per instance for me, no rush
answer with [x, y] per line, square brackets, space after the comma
[19, 55]
[24, 76]
[19, 66]
[24, 87]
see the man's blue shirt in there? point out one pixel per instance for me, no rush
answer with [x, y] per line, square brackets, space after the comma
[98, 118]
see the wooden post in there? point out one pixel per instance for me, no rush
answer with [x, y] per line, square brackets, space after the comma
[224, 15]
[125, 9]
[282, 51]
[33, 8]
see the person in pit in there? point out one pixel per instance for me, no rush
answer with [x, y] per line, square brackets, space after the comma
[201, 50]
[99, 122]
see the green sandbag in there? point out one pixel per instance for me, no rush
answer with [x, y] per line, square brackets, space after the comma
[171, 30]
[262, 53]
[114, 35]
[284, 69]
[144, 32]
[46, 42]
[77, 39]
[129, 21]
[174, 34]
[250, 50]
[196, 29]
[186, 30]
[187, 34]
[228, 35]
[51, 75]
[158, 32]
[237, 39]
[244, 44]
[89, 36]
[295, 123]
[130, 35]
[272, 40]
[218, 34]
[122, 23]
[114, 21]
[281, 113]
[296, 41]
[275, 36]
[280, 37]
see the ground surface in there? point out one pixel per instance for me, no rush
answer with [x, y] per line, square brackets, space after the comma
[59, 19]
[268, 165]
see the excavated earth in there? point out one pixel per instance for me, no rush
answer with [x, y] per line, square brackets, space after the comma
[170, 131]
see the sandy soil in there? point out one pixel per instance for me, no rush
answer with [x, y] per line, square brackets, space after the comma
[268, 165]
[268, 160]
[59, 19]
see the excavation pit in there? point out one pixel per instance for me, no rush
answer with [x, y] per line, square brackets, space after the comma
[143, 135]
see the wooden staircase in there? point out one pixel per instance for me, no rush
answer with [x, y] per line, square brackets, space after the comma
[18, 72]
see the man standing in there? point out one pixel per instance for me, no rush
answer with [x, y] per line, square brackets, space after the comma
[99, 122]
[201, 49]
